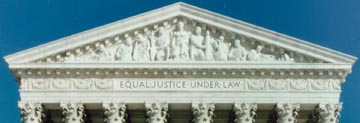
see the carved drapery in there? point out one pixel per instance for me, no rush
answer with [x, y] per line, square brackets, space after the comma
[183, 39]
[114, 112]
[72, 112]
[328, 113]
[31, 112]
[203, 112]
[287, 112]
[156, 112]
[245, 112]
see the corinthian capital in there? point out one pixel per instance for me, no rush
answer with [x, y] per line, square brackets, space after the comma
[203, 112]
[156, 112]
[328, 113]
[114, 112]
[31, 112]
[245, 112]
[287, 112]
[72, 112]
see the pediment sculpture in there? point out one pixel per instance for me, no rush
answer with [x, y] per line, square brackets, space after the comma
[181, 40]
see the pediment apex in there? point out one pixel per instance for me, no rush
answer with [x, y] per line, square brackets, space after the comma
[113, 34]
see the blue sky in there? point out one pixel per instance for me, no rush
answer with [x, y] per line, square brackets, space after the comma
[329, 23]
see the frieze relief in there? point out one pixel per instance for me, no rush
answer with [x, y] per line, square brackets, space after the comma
[60, 84]
[179, 39]
[121, 84]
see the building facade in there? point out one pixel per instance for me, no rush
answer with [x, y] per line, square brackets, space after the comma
[180, 64]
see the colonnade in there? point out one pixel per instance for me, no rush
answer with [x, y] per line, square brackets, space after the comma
[202, 112]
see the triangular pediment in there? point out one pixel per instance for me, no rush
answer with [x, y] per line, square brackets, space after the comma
[179, 32]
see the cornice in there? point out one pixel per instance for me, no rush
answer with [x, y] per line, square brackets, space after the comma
[182, 70]
[181, 65]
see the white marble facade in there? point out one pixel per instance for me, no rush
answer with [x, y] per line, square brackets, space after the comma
[185, 65]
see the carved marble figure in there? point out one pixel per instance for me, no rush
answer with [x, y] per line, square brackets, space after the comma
[237, 52]
[72, 112]
[102, 54]
[284, 56]
[203, 112]
[125, 49]
[245, 112]
[152, 41]
[114, 112]
[31, 112]
[209, 47]
[156, 112]
[141, 48]
[287, 112]
[196, 46]
[180, 43]
[254, 54]
[222, 49]
[161, 45]
[329, 113]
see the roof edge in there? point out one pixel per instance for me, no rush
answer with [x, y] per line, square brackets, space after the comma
[182, 65]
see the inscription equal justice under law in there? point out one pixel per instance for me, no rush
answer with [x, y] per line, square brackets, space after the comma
[180, 84]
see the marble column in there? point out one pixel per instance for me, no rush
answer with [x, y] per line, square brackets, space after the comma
[245, 112]
[287, 112]
[156, 112]
[203, 112]
[114, 112]
[31, 112]
[328, 113]
[72, 112]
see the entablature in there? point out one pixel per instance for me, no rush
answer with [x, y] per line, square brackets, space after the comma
[183, 70]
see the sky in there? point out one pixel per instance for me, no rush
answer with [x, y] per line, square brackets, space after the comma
[329, 23]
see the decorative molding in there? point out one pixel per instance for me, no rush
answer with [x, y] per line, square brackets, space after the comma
[81, 84]
[72, 112]
[31, 112]
[203, 112]
[114, 112]
[245, 112]
[149, 84]
[183, 71]
[156, 112]
[287, 112]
